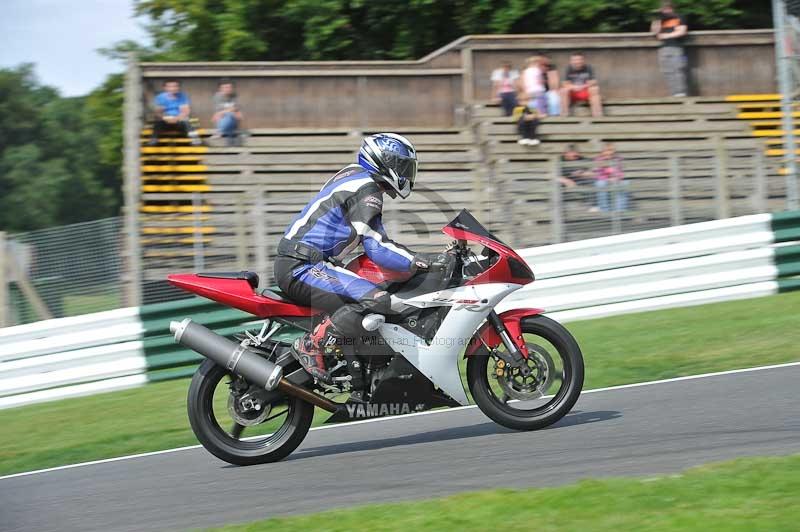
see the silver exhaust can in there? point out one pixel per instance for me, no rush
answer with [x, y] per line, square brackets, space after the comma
[236, 358]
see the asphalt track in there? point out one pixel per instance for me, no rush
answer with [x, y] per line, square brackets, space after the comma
[638, 430]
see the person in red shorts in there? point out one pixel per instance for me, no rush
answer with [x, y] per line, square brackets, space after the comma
[580, 85]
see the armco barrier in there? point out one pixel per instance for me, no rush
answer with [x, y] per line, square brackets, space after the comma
[66, 356]
[678, 266]
[693, 264]
[786, 227]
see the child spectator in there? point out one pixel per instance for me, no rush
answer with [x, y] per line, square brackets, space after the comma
[580, 85]
[670, 28]
[172, 109]
[575, 168]
[551, 84]
[227, 114]
[504, 87]
[608, 174]
[527, 124]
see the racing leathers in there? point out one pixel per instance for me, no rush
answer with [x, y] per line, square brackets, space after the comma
[345, 213]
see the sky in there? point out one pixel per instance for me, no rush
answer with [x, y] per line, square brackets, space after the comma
[62, 37]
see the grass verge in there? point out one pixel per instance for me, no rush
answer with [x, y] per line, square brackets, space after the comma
[618, 350]
[745, 494]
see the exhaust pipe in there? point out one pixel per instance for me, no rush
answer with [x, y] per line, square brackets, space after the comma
[241, 361]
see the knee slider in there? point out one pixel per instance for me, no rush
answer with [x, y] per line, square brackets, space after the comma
[378, 302]
[347, 320]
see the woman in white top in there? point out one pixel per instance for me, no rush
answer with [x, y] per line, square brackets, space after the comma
[533, 86]
[504, 87]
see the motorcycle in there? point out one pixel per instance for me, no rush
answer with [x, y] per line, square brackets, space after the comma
[523, 370]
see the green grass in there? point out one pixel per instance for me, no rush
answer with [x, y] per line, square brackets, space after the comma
[77, 304]
[618, 350]
[745, 494]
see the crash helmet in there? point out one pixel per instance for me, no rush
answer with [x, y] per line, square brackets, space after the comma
[391, 160]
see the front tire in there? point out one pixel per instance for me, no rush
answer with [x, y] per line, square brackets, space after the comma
[229, 446]
[492, 397]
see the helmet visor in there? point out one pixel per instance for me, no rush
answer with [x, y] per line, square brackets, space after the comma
[404, 167]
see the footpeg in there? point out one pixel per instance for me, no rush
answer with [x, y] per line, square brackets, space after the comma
[372, 322]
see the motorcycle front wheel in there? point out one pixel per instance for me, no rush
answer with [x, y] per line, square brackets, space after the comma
[241, 424]
[536, 400]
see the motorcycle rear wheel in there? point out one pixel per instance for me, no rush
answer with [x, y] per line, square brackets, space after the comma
[504, 402]
[228, 445]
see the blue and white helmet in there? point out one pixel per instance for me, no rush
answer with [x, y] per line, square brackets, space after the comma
[391, 159]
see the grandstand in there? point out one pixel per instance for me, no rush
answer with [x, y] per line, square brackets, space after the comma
[209, 195]
[686, 160]
[218, 197]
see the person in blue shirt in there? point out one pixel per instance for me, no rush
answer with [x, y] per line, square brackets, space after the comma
[172, 109]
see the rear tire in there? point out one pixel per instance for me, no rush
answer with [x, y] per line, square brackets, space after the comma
[564, 399]
[235, 451]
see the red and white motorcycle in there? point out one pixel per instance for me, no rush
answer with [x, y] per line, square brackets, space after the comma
[251, 402]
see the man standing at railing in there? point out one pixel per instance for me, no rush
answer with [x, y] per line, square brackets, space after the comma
[670, 28]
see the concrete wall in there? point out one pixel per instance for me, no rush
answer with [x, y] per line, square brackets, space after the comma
[720, 62]
[431, 91]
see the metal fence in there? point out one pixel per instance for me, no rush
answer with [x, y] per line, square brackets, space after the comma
[61, 271]
[551, 200]
[787, 59]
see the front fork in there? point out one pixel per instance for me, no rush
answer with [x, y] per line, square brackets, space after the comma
[517, 354]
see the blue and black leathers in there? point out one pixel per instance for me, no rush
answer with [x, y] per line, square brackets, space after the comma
[345, 213]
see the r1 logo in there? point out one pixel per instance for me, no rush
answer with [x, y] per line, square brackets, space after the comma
[472, 307]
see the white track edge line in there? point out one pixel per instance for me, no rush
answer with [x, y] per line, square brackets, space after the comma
[405, 416]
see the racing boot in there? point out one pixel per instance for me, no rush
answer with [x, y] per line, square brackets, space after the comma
[311, 348]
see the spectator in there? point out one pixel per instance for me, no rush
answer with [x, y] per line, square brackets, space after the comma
[527, 125]
[580, 85]
[172, 110]
[227, 114]
[670, 28]
[504, 87]
[609, 175]
[575, 169]
[551, 84]
[533, 87]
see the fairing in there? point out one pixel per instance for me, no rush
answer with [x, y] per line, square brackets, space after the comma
[508, 268]
[438, 360]
[369, 270]
[512, 320]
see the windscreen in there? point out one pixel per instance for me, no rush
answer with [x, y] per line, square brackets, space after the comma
[466, 222]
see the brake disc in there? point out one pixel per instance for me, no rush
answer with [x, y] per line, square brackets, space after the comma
[248, 409]
[534, 386]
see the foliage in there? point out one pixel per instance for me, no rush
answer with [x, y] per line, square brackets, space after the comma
[61, 158]
[245, 30]
[56, 166]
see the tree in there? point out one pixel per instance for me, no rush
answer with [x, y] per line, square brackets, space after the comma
[61, 158]
[248, 30]
[52, 170]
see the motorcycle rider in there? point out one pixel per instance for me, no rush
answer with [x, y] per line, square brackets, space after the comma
[345, 213]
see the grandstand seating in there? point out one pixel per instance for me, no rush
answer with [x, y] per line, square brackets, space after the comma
[212, 195]
[651, 135]
[234, 202]
[764, 114]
